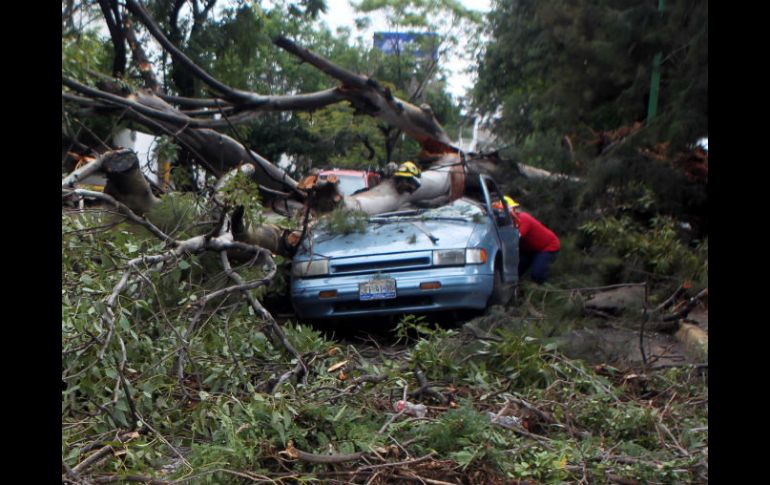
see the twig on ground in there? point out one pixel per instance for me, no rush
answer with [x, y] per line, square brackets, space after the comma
[431, 481]
[298, 454]
[591, 288]
[166, 442]
[396, 463]
[390, 421]
[425, 388]
[131, 478]
[671, 299]
[101, 454]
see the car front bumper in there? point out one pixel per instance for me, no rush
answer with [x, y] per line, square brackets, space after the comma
[461, 287]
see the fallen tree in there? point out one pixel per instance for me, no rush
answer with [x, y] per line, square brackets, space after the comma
[174, 371]
[192, 124]
[445, 166]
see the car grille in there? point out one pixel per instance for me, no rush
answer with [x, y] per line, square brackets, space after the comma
[373, 266]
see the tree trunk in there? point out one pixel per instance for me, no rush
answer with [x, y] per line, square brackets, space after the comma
[126, 183]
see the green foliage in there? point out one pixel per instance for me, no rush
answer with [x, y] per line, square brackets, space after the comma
[410, 325]
[219, 415]
[343, 140]
[178, 213]
[226, 423]
[344, 221]
[246, 432]
[520, 362]
[656, 248]
[621, 422]
[234, 44]
[628, 182]
[561, 68]
[467, 436]
[165, 149]
[578, 266]
[414, 78]
[83, 52]
[240, 190]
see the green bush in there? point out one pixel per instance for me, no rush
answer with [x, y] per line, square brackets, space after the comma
[655, 248]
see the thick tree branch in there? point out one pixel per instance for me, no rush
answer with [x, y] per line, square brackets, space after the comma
[193, 102]
[111, 12]
[219, 152]
[371, 97]
[229, 93]
[170, 116]
[365, 93]
[140, 58]
[90, 168]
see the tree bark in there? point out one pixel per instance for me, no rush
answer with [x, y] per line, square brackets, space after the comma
[126, 183]
[140, 58]
[439, 185]
[368, 96]
[111, 13]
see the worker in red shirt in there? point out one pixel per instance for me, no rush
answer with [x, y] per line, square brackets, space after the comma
[538, 245]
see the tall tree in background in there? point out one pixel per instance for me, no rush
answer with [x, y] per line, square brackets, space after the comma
[417, 71]
[558, 67]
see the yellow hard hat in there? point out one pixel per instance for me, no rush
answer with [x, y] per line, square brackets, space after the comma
[407, 169]
[511, 203]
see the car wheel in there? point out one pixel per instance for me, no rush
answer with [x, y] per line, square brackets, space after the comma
[501, 292]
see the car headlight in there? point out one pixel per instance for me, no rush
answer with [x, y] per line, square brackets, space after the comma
[449, 257]
[315, 267]
[459, 257]
[475, 256]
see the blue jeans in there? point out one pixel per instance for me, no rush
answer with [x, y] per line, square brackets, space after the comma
[538, 262]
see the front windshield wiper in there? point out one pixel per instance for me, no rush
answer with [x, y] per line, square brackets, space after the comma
[447, 218]
[419, 217]
[395, 215]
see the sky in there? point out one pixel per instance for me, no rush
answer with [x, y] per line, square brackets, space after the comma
[340, 14]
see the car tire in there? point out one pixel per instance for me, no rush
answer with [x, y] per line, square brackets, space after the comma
[502, 292]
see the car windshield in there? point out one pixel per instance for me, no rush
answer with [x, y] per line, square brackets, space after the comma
[348, 184]
[460, 209]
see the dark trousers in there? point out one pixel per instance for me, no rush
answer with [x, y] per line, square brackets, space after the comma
[538, 262]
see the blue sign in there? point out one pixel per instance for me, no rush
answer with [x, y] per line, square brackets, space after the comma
[418, 44]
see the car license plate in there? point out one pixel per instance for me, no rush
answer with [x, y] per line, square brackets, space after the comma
[383, 289]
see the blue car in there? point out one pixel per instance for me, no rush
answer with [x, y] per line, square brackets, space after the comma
[463, 255]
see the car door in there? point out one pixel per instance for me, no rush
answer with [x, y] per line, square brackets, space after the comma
[508, 234]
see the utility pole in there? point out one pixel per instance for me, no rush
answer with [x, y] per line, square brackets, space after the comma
[652, 107]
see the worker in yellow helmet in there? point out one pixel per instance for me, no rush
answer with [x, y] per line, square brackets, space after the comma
[512, 205]
[538, 245]
[407, 177]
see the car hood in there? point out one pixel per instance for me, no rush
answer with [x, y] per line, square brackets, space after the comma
[394, 237]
